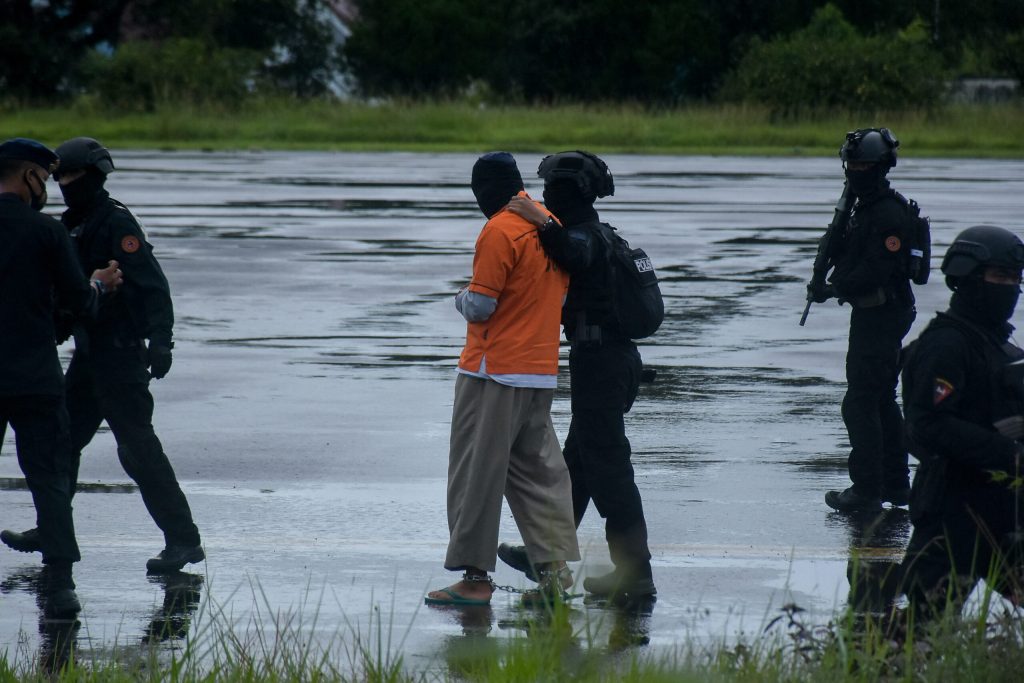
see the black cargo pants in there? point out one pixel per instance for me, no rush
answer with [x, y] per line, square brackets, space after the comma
[974, 533]
[40, 425]
[874, 422]
[604, 380]
[114, 386]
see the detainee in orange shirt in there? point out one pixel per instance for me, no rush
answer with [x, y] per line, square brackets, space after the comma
[502, 439]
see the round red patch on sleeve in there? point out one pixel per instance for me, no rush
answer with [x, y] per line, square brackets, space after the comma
[130, 244]
[892, 243]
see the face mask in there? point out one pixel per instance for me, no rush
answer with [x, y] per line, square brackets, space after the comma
[562, 198]
[863, 183]
[999, 301]
[986, 300]
[38, 201]
[82, 191]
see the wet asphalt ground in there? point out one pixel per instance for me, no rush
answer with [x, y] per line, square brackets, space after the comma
[308, 408]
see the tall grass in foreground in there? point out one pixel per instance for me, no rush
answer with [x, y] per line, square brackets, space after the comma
[960, 130]
[546, 646]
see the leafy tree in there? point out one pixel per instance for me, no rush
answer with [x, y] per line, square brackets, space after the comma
[422, 47]
[295, 42]
[599, 50]
[47, 47]
[829, 64]
[41, 44]
[532, 49]
[142, 74]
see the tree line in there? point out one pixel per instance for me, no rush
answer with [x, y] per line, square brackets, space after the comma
[789, 54]
[138, 53]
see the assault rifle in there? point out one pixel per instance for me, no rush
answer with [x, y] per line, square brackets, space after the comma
[827, 247]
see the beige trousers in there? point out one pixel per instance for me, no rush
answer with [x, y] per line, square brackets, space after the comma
[503, 442]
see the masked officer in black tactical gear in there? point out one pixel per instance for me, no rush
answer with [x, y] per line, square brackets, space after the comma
[108, 378]
[37, 265]
[872, 273]
[604, 370]
[963, 392]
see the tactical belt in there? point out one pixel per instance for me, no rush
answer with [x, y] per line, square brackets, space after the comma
[879, 297]
[875, 298]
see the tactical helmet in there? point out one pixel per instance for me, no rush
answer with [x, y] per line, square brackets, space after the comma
[870, 145]
[979, 247]
[588, 171]
[80, 153]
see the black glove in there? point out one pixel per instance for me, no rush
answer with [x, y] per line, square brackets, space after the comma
[819, 292]
[159, 358]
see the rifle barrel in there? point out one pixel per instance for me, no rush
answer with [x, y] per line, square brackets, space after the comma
[807, 309]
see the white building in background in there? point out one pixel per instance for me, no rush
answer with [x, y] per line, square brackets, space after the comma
[342, 13]
[339, 15]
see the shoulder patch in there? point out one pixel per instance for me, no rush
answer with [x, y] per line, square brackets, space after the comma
[892, 243]
[941, 391]
[130, 244]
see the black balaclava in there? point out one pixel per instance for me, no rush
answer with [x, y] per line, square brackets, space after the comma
[986, 302]
[81, 193]
[868, 183]
[496, 180]
[564, 198]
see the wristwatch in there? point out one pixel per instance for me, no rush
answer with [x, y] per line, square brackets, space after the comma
[100, 287]
[548, 224]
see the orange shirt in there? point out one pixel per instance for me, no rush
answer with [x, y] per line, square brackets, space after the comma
[521, 336]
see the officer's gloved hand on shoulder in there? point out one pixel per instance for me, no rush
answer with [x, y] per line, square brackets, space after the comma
[819, 292]
[159, 357]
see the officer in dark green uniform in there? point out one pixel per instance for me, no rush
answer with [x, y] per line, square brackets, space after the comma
[37, 263]
[872, 274]
[108, 378]
[963, 392]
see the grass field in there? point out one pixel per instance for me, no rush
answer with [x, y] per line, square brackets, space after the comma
[995, 131]
[546, 648]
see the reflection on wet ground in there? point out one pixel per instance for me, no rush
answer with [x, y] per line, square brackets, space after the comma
[59, 639]
[308, 408]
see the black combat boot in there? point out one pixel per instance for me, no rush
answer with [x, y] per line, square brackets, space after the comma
[24, 542]
[516, 557]
[57, 590]
[174, 557]
[621, 583]
[851, 501]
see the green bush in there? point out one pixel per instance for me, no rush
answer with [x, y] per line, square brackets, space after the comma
[140, 76]
[829, 65]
